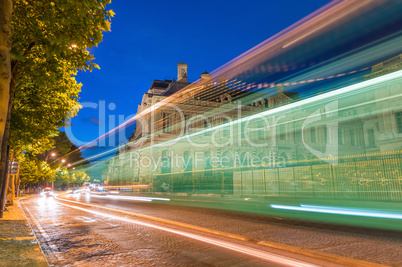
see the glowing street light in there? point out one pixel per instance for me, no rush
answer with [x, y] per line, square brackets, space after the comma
[68, 165]
[53, 154]
[63, 160]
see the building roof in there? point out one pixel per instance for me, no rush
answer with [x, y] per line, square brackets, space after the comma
[213, 93]
[158, 84]
[174, 87]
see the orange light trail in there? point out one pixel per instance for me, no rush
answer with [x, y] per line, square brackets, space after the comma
[264, 255]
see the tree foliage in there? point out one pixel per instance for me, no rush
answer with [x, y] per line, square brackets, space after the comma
[46, 167]
[34, 170]
[50, 41]
[79, 177]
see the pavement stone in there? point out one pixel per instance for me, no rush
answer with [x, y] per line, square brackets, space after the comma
[18, 244]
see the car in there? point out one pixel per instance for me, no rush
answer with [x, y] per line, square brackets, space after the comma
[47, 192]
[74, 191]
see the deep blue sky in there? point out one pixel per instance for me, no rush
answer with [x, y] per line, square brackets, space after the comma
[149, 38]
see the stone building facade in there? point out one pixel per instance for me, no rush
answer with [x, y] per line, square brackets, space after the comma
[218, 137]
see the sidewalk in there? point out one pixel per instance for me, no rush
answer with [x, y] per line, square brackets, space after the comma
[18, 244]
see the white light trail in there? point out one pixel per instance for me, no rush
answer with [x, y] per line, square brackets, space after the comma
[213, 241]
[281, 109]
[341, 211]
[148, 199]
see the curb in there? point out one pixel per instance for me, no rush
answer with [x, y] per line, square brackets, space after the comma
[21, 204]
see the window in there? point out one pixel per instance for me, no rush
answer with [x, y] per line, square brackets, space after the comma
[243, 130]
[297, 135]
[260, 133]
[207, 160]
[245, 159]
[166, 164]
[226, 129]
[352, 137]
[313, 135]
[398, 117]
[187, 161]
[282, 132]
[207, 133]
[227, 160]
[166, 122]
[340, 136]
[370, 137]
[186, 127]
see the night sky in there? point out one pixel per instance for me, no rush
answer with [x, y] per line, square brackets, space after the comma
[149, 38]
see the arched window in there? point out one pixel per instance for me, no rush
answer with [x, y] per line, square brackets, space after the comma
[226, 98]
[284, 157]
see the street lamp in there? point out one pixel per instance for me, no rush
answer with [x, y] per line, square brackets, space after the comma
[63, 160]
[68, 165]
[53, 154]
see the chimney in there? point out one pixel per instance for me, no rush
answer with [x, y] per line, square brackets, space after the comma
[181, 71]
[279, 88]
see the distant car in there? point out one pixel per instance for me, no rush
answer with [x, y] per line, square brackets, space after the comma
[47, 192]
[98, 189]
[74, 191]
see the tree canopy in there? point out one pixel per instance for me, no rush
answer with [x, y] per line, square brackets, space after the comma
[48, 165]
[50, 42]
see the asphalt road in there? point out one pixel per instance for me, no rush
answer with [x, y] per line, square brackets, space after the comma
[97, 230]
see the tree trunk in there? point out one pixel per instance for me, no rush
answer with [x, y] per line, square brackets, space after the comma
[5, 61]
[6, 8]
[17, 181]
[10, 193]
[3, 187]
[4, 147]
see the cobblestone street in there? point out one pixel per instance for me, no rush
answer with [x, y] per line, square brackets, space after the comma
[118, 232]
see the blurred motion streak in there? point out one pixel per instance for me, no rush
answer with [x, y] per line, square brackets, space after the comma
[312, 115]
[214, 241]
[342, 211]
